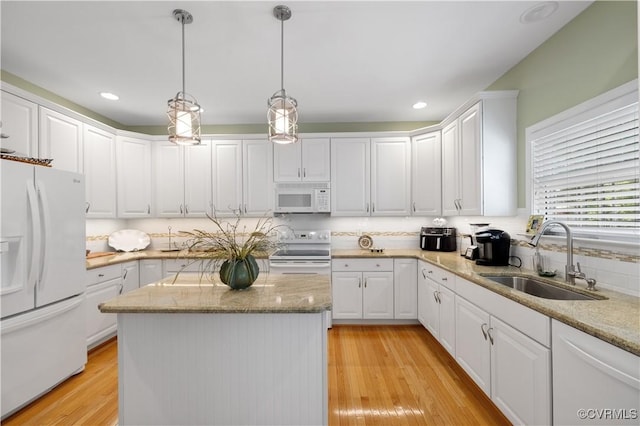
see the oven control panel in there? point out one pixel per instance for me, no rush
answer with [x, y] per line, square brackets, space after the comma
[306, 237]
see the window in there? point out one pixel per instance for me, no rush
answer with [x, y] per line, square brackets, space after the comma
[585, 166]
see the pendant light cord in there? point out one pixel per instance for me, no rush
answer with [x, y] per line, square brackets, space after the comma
[183, 57]
[282, 54]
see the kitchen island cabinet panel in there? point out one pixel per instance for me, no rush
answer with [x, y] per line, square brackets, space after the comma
[199, 353]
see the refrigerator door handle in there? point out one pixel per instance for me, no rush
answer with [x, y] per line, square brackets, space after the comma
[36, 236]
[46, 219]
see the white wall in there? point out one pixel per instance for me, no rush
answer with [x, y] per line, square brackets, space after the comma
[616, 267]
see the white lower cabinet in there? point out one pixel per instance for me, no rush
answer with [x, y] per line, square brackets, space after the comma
[130, 276]
[102, 284]
[362, 288]
[405, 289]
[150, 271]
[436, 298]
[594, 382]
[511, 368]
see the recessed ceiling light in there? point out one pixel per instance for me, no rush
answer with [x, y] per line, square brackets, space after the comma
[419, 105]
[539, 12]
[110, 96]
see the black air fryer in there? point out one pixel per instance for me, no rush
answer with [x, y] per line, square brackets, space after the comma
[493, 245]
[438, 239]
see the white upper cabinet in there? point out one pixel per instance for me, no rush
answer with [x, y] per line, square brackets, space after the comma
[350, 194]
[370, 176]
[100, 172]
[182, 179]
[479, 159]
[257, 177]
[61, 140]
[133, 160]
[426, 175]
[197, 180]
[227, 177]
[306, 161]
[19, 126]
[243, 177]
[168, 179]
[390, 176]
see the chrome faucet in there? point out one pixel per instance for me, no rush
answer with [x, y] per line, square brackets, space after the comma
[570, 272]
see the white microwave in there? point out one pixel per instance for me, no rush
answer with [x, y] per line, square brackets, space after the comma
[303, 197]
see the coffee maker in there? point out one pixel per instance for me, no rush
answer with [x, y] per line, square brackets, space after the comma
[493, 247]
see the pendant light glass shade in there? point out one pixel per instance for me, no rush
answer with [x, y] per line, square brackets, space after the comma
[282, 115]
[184, 111]
[283, 118]
[184, 120]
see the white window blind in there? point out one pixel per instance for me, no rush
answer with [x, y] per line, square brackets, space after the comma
[588, 174]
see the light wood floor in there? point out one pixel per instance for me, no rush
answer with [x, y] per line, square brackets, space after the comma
[378, 375]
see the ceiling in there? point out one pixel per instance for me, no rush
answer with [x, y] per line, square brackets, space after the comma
[344, 61]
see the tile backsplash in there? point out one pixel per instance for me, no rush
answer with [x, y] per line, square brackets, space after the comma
[614, 266]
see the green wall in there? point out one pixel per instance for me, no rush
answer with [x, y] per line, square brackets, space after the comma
[595, 52]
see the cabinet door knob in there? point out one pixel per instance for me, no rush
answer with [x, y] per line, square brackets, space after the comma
[359, 282]
[148, 208]
[87, 208]
[414, 206]
[490, 336]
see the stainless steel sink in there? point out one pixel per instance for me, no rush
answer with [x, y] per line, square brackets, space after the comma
[538, 288]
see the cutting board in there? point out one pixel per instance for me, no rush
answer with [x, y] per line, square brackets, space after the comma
[99, 254]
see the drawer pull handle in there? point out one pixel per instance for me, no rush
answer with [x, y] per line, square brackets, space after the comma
[484, 332]
[100, 275]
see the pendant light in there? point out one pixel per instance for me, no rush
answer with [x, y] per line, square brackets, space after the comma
[282, 115]
[184, 111]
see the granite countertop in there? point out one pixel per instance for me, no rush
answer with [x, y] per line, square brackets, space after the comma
[614, 319]
[120, 257]
[269, 294]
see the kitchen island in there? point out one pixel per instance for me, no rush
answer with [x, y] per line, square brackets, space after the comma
[194, 352]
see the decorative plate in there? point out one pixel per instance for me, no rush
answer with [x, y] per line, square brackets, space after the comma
[365, 242]
[129, 240]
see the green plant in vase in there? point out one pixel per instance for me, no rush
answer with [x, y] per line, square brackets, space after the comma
[231, 248]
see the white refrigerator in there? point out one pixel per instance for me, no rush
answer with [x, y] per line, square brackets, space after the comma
[42, 248]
